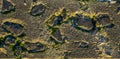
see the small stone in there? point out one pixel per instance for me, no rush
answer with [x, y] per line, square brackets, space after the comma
[13, 27]
[84, 22]
[75, 43]
[108, 50]
[7, 7]
[103, 20]
[83, 45]
[1, 43]
[104, 0]
[102, 38]
[118, 9]
[34, 47]
[118, 1]
[10, 40]
[2, 29]
[57, 20]
[34, 0]
[18, 51]
[57, 36]
[37, 10]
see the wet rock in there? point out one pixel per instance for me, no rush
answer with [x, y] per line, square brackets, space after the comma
[9, 40]
[7, 7]
[103, 20]
[37, 10]
[13, 27]
[34, 47]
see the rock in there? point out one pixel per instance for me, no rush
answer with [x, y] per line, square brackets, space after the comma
[34, 47]
[12, 27]
[57, 20]
[57, 36]
[84, 45]
[108, 50]
[1, 42]
[83, 22]
[37, 10]
[35, 0]
[103, 20]
[9, 40]
[102, 38]
[18, 51]
[7, 7]
[118, 9]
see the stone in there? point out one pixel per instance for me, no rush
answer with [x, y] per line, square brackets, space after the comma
[84, 45]
[57, 20]
[85, 23]
[34, 47]
[14, 28]
[57, 36]
[18, 51]
[7, 7]
[37, 10]
[9, 40]
[34, 0]
[103, 20]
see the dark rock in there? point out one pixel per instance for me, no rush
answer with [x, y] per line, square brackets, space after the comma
[35, 0]
[118, 9]
[84, 45]
[1, 42]
[9, 40]
[18, 51]
[7, 7]
[118, 1]
[2, 29]
[57, 20]
[102, 38]
[37, 10]
[103, 20]
[12, 27]
[108, 50]
[57, 36]
[83, 23]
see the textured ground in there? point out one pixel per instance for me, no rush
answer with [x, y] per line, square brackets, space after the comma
[59, 29]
